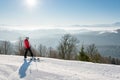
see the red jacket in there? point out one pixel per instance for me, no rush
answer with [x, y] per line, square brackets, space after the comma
[26, 44]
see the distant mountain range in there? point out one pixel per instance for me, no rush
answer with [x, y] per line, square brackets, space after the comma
[53, 36]
[108, 42]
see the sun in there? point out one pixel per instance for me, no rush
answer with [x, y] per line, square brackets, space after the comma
[31, 3]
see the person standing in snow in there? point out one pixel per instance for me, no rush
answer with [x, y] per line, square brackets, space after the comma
[27, 47]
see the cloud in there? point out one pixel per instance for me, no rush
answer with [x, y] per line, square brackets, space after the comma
[114, 31]
[70, 28]
[102, 28]
[116, 24]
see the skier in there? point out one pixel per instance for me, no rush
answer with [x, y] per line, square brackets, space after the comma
[27, 47]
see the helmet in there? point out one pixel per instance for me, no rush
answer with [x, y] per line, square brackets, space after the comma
[27, 37]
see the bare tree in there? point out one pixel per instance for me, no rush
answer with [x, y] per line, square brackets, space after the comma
[67, 46]
[1, 49]
[42, 50]
[5, 47]
[52, 53]
[93, 53]
[20, 48]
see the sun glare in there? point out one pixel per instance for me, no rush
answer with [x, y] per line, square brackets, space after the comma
[31, 3]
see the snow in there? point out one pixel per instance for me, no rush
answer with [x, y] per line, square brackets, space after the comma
[16, 68]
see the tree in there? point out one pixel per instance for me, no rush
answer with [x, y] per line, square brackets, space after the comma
[42, 50]
[6, 47]
[82, 55]
[52, 53]
[19, 47]
[113, 61]
[93, 53]
[1, 50]
[67, 46]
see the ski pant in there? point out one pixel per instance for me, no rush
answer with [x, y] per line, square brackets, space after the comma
[26, 50]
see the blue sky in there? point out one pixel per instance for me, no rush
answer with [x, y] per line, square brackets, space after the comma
[59, 12]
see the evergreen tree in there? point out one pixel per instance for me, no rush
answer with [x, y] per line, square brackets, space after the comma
[82, 55]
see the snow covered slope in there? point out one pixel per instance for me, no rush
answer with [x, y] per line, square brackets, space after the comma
[15, 68]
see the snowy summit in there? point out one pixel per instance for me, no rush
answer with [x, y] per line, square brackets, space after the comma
[16, 68]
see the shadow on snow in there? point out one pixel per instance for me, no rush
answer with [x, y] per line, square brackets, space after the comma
[23, 68]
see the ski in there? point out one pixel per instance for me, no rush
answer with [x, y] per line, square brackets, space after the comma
[34, 59]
